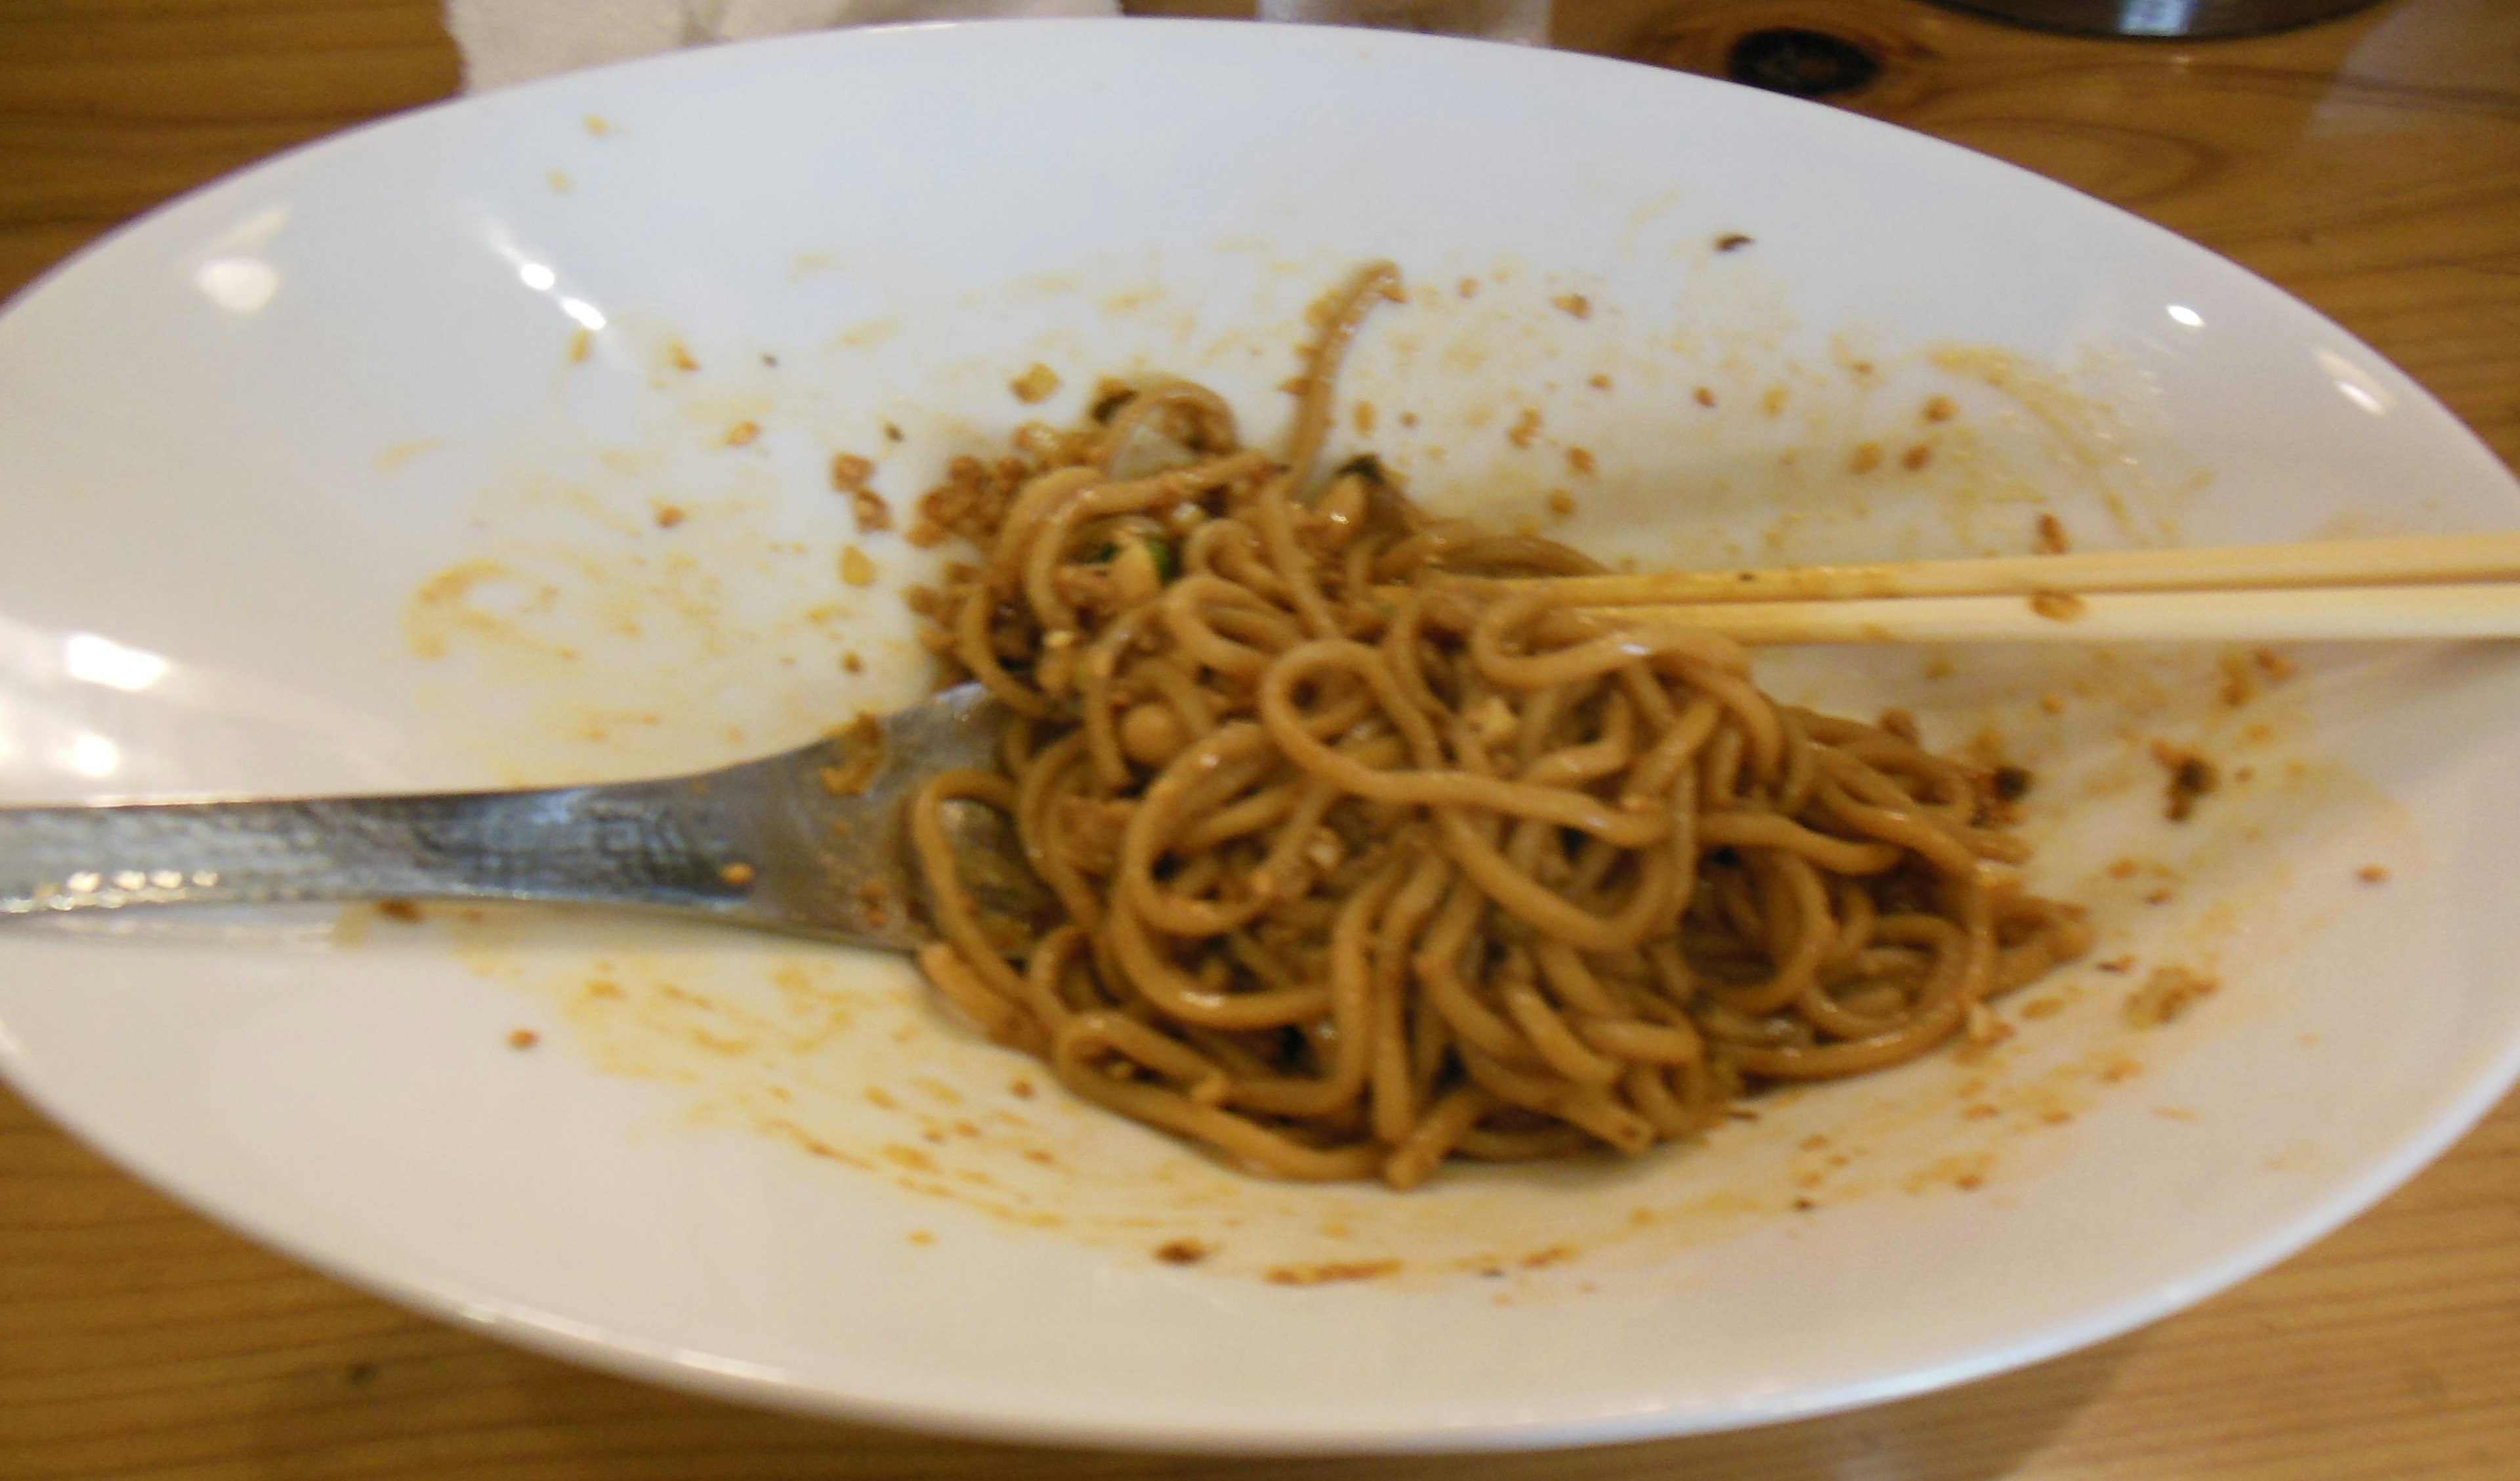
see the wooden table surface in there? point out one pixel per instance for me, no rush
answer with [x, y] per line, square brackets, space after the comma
[2370, 166]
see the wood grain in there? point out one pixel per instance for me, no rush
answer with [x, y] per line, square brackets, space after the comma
[2368, 166]
[109, 107]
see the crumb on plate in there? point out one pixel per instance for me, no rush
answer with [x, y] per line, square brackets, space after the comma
[1038, 384]
[2165, 994]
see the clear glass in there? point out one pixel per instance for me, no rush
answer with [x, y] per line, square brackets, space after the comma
[1524, 22]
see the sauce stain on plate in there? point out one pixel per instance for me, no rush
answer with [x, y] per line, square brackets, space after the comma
[849, 1060]
[586, 636]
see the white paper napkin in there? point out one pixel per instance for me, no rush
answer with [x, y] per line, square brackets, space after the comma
[507, 42]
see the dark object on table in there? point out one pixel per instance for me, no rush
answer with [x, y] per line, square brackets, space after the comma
[1802, 63]
[2161, 17]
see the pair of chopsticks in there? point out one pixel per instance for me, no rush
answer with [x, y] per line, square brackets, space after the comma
[2419, 586]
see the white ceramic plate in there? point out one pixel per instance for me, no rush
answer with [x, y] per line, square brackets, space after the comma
[350, 473]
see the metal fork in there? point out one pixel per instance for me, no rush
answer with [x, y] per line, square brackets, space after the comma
[813, 841]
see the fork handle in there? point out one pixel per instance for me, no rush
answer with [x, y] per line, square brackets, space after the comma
[645, 843]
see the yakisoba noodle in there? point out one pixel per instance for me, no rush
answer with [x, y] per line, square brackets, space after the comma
[1365, 867]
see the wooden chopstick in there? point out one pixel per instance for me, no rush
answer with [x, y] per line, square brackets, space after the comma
[2393, 561]
[2328, 614]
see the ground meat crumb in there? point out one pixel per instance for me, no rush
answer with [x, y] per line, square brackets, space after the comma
[403, 911]
[1900, 724]
[2059, 606]
[1109, 396]
[1181, 1251]
[1038, 384]
[523, 1038]
[2167, 994]
[872, 514]
[2053, 540]
[1732, 241]
[1526, 427]
[2191, 776]
[2372, 873]
[1704, 396]
[1574, 303]
[862, 745]
[2239, 678]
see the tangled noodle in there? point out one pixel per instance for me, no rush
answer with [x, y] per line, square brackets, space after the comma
[1365, 866]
